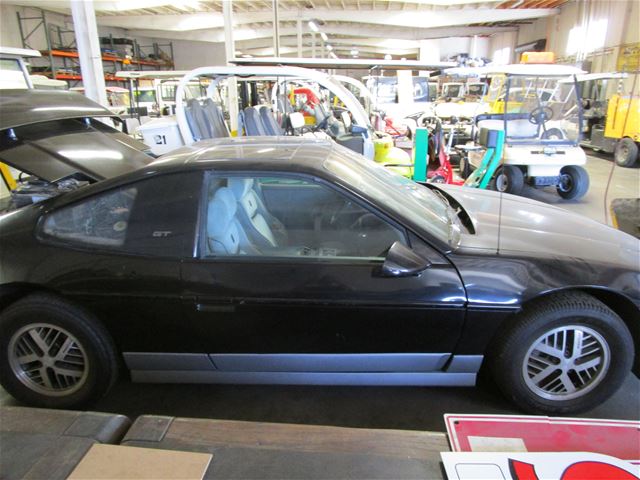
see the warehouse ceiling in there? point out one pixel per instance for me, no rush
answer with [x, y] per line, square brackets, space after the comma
[366, 28]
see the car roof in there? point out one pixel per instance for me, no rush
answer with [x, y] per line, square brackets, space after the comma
[27, 106]
[253, 153]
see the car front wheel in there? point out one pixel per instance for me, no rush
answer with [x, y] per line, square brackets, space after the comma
[54, 354]
[564, 354]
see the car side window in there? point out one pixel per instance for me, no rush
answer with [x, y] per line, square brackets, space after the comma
[155, 216]
[284, 216]
[101, 220]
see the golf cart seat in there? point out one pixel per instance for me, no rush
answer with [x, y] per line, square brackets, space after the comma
[253, 123]
[214, 116]
[517, 128]
[269, 121]
[197, 120]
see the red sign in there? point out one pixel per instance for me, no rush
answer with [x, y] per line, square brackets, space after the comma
[469, 433]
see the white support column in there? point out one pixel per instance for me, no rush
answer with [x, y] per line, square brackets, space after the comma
[429, 52]
[230, 49]
[88, 42]
[276, 28]
[299, 27]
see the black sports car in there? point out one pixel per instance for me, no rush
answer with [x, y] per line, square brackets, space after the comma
[289, 261]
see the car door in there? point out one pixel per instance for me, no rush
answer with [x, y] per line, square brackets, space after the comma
[118, 254]
[291, 265]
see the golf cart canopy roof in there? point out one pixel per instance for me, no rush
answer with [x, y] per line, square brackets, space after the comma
[18, 52]
[151, 74]
[600, 76]
[23, 107]
[524, 69]
[344, 63]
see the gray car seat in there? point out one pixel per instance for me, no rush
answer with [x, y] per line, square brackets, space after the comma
[223, 231]
[256, 229]
[269, 121]
[253, 123]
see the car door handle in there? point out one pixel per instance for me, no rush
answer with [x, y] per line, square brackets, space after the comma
[204, 307]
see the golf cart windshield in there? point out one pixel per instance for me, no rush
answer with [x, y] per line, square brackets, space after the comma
[146, 96]
[452, 90]
[476, 89]
[542, 110]
[384, 89]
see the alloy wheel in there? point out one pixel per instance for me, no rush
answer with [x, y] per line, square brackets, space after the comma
[566, 362]
[48, 359]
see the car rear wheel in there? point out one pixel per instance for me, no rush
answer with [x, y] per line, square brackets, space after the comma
[54, 354]
[626, 153]
[573, 182]
[564, 354]
[509, 179]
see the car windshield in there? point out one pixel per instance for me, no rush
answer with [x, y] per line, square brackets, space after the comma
[398, 194]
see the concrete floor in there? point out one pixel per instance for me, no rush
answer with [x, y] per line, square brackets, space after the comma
[374, 407]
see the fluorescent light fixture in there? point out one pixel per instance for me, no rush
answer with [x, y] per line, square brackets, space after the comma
[354, 52]
[324, 36]
[333, 55]
[313, 25]
[329, 47]
[246, 55]
[387, 57]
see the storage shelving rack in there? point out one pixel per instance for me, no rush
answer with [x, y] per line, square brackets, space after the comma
[61, 55]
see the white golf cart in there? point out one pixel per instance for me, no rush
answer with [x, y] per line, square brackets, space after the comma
[261, 113]
[541, 118]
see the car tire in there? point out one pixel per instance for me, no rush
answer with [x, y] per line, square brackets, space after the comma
[527, 348]
[573, 183]
[464, 169]
[54, 354]
[626, 153]
[509, 179]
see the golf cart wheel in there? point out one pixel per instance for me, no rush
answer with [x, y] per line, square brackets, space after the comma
[437, 179]
[463, 167]
[573, 182]
[562, 354]
[54, 354]
[509, 179]
[626, 153]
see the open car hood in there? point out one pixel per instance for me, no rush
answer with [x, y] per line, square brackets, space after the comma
[53, 135]
[524, 226]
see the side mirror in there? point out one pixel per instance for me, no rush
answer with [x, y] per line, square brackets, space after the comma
[401, 261]
[296, 119]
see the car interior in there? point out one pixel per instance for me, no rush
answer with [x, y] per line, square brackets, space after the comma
[291, 217]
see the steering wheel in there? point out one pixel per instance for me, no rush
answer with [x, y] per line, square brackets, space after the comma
[541, 115]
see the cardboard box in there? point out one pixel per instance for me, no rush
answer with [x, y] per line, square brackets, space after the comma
[114, 462]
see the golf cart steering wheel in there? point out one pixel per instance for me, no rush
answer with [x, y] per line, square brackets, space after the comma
[541, 115]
